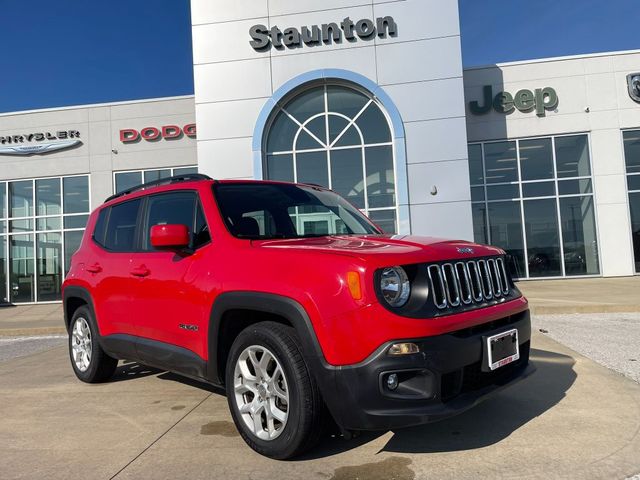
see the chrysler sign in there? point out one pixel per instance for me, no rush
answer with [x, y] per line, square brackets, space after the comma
[38, 142]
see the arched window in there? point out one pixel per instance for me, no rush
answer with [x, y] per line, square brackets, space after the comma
[337, 136]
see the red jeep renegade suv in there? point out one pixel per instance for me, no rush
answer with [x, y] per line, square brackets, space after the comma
[292, 300]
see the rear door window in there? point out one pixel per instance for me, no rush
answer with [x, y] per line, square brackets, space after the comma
[121, 229]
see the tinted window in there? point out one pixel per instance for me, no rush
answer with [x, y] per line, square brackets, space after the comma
[201, 235]
[101, 226]
[169, 209]
[121, 229]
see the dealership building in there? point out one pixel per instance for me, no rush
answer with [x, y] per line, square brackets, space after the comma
[369, 98]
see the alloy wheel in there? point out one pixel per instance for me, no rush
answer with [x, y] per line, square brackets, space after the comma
[81, 344]
[261, 392]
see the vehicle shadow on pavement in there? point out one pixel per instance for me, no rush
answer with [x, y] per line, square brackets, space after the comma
[498, 417]
[485, 424]
[128, 370]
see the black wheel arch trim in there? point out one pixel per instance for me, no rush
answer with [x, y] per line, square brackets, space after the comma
[74, 291]
[282, 306]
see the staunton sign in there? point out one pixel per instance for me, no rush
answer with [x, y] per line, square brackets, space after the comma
[38, 142]
[263, 37]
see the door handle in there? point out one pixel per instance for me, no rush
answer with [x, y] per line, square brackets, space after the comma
[140, 271]
[95, 268]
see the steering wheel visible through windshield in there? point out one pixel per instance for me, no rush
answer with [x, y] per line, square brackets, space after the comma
[279, 210]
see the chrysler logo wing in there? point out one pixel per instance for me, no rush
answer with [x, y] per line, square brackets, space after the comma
[39, 148]
[465, 250]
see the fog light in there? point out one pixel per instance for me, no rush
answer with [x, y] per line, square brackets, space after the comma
[403, 349]
[392, 381]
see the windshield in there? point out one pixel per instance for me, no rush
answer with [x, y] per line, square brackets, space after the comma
[270, 210]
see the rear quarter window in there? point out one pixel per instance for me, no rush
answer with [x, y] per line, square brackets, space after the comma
[120, 234]
[101, 226]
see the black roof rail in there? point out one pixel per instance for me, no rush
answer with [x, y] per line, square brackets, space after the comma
[187, 177]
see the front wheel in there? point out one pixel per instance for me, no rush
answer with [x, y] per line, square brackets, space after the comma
[90, 363]
[274, 401]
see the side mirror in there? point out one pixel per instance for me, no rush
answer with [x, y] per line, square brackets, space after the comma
[170, 236]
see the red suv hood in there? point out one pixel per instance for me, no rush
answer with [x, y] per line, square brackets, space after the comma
[408, 248]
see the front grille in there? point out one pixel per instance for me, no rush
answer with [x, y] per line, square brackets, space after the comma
[469, 282]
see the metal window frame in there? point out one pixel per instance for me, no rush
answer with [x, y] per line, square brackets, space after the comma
[557, 197]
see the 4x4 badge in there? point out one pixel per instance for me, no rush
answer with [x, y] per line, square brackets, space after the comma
[186, 326]
[465, 250]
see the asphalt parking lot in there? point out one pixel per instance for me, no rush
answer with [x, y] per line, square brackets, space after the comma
[572, 419]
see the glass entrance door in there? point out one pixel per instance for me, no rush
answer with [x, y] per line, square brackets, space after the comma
[21, 268]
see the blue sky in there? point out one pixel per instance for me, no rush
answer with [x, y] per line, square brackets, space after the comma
[495, 31]
[72, 52]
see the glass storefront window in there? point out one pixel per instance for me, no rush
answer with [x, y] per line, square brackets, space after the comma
[338, 137]
[21, 198]
[500, 162]
[3, 268]
[42, 213]
[536, 159]
[572, 156]
[75, 194]
[22, 267]
[152, 175]
[540, 213]
[505, 230]
[543, 239]
[48, 196]
[49, 250]
[634, 205]
[579, 236]
[476, 170]
[3, 200]
[125, 180]
[631, 141]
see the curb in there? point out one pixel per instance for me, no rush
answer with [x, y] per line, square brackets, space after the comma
[568, 309]
[30, 332]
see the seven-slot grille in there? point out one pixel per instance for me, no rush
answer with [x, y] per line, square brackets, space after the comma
[472, 281]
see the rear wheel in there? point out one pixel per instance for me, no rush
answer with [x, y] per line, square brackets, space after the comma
[274, 401]
[90, 363]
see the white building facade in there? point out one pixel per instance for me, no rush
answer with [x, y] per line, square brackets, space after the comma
[555, 179]
[363, 97]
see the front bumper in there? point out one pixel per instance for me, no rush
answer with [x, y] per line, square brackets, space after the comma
[441, 381]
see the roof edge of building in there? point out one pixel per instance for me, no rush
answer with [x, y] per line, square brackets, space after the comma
[553, 59]
[96, 105]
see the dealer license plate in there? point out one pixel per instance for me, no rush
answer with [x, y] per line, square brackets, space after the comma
[502, 349]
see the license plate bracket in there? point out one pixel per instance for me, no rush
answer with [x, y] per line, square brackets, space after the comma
[500, 350]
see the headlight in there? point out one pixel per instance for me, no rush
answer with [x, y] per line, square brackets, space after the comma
[395, 286]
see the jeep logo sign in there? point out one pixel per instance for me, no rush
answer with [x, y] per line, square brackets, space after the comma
[151, 134]
[541, 99]
[633, 85]
[263, 38]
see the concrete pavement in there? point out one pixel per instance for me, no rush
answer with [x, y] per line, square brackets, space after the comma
[572, 419]
[583, 295]
[44, 319]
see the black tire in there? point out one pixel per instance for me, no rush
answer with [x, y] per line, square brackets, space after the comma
[101, 366]
[303, 427]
